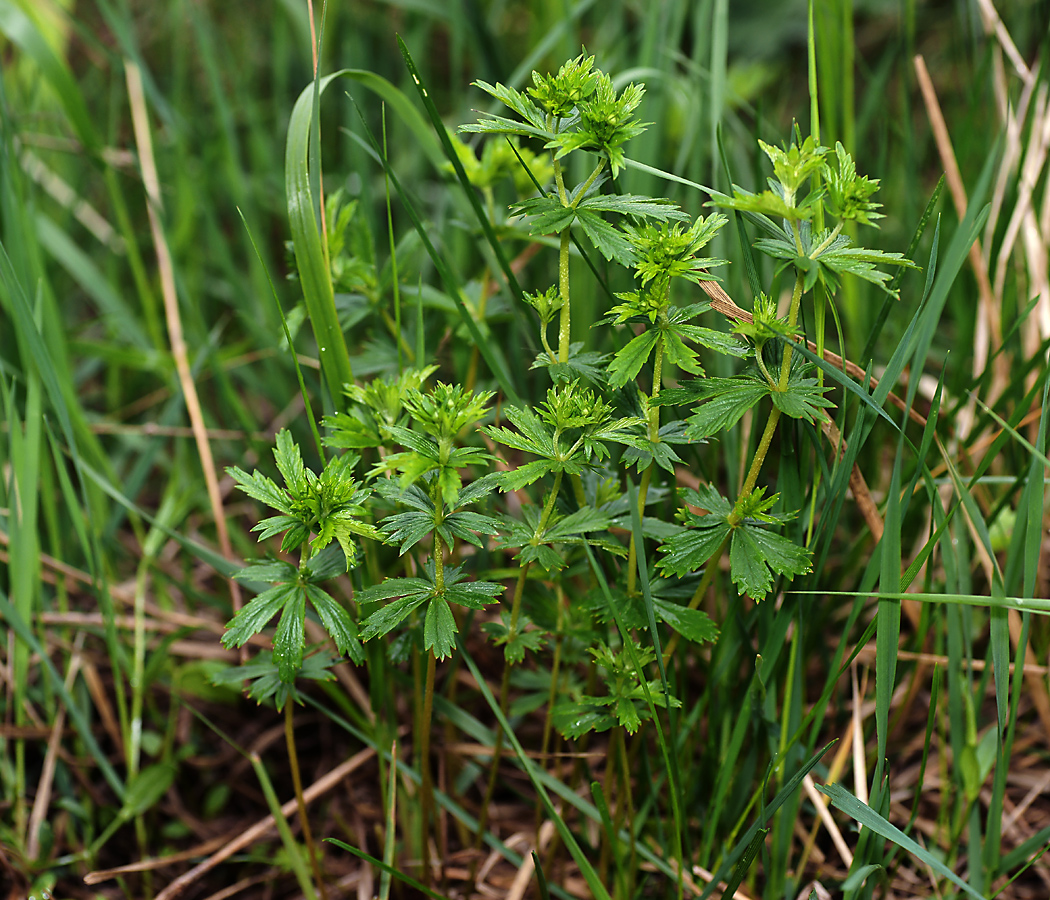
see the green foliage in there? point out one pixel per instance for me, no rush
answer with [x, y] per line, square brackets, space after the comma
[435, 594]
[440, 415]
[470, 497]
[568, 435]
[755, 552]
[329, 505]
[622, 705]
[294, 586]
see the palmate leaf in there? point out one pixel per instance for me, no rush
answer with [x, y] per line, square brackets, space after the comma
[803, 398]
[590, 365]
[535, 546]
[755, 552]
[607, 239]
[517, 643]
[635, 205]
[289, 599]
[693, 624]
[265, 681]
[408, 594]
[724, 401]
[661, 451]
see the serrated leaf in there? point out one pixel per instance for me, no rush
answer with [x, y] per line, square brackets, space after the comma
[337, 623]
[439, 628]
[689, 550]
[719, 341]
[524, 638]
[590, 365]
[387, 618]
[467, 526]
[606, 238]
[583, 520]
[521, 103]
[270, 571]
[478, 488]
[290, 463]
[692, 624]
[628, 361]
[542, 554]
[755, 553]
[324, 565]
[725, 400]
[627, 714]
[408, 528]
[259, 487]
[635, 205]
[289, 639]
[802, 399]
[254, 615]
[493, 124]
[767, 203]
[574, 720]
[546, 214]
[473, 594]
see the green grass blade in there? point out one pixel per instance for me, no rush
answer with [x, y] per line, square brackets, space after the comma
[866, 816]
[388, 870]
[310, 254]
[768, 810]
[461, 175]
[24, 632]
[23, 32]
[291, 847]
[586, 869]
[451, 282]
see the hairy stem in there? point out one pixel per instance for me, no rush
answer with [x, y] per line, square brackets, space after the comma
[647, 476]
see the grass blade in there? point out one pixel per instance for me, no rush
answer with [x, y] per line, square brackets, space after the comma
[866, 816]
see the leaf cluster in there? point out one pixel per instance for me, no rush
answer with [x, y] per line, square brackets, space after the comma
[755, 552]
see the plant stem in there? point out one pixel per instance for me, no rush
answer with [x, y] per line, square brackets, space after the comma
[300, 802]
[643, 487]
[774, 415]
[564, 330]
[504, 695]
[504, 690]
